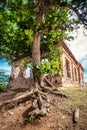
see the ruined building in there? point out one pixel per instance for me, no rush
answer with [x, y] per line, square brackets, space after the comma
[73, 72]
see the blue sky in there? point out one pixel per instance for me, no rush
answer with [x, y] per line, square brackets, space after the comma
[4, 67]
[78, 47]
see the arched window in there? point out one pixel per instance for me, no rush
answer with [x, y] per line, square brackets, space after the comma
[75, 74]
[68, 68]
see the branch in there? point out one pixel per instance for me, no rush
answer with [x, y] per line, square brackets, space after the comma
[83, 20]
[82, 16]
[59, 27]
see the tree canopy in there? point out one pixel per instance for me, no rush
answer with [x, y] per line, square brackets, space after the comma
[53, 19]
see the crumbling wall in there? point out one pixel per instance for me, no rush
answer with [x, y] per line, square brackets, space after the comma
[18, 77]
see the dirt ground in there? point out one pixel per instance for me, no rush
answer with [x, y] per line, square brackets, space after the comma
[60, 116]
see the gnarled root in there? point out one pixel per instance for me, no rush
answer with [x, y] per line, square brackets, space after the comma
[40, 102]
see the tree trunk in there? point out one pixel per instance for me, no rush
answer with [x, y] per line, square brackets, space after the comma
[36, 55]
[36, 50]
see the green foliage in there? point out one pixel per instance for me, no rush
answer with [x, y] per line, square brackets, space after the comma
[18, 22]
[16, 35]
[26, 64]
[47, 67]
[52, 65]
[3, 81]
[30, 119]
[2, 86]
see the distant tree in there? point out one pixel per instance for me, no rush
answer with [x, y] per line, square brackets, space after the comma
[4, 79]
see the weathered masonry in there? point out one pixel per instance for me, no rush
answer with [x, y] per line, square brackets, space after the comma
[72, 75]
[73, 72]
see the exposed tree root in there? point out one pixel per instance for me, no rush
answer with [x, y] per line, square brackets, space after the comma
[38, 96]
[16, 100]
[49, 83]
[53, 91]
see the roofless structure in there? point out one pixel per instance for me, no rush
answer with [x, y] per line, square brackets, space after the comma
[73, 72]
[72, 75]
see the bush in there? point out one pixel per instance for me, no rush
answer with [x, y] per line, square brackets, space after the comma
[3, 81]
[3, 86]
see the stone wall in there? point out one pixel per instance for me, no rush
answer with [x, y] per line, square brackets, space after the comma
[18, 77]
[73, 73]
[20, 83]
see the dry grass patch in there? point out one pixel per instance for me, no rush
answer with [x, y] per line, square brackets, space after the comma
[77, 98]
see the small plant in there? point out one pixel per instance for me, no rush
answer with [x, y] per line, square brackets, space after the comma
[30, 119]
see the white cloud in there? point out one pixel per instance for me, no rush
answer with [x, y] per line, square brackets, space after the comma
[79, 45]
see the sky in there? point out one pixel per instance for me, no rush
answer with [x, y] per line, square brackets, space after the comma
[78, 47]
[4, 67]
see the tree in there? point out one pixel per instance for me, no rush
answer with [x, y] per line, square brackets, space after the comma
[39, 26]
[17, 39]
[18, 34]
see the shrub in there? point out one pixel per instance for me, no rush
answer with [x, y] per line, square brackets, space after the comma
[3, 81]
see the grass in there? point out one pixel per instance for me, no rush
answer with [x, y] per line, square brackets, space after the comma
[77, 98]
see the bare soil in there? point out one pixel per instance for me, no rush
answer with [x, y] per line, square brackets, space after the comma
[60, 116]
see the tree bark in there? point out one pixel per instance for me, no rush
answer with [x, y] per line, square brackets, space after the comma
[36, 49]
[36, 54]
